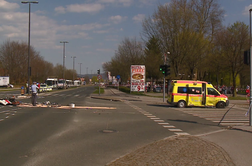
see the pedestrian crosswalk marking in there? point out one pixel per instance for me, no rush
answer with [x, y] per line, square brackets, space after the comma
[165, 126]
[231, 117]
[174, 130]
[182, 133]
[158, 120]
[163, 123]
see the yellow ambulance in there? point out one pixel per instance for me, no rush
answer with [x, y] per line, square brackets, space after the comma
[187, 93]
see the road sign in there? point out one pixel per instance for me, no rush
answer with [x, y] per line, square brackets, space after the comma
[99, 77]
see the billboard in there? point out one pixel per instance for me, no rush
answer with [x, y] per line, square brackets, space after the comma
[137, 73]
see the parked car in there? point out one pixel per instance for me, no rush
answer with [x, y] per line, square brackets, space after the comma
[157, 89]
[10, 86]
[44, 88]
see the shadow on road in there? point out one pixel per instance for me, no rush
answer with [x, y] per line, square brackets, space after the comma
[195, 122]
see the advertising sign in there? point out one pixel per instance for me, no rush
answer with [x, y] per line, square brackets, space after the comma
[137, 78]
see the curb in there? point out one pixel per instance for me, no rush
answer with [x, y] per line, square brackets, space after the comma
[105, 98]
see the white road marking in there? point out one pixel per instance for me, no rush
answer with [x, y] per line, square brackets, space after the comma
[158, 120]
[182, 133]
[174, 130]
[163, 123]
[170, 126]
[154, 118]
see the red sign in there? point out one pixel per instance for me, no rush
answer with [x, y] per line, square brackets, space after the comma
[99, 77]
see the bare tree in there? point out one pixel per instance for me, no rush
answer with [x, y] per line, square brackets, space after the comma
[130, 52]
[14, 60]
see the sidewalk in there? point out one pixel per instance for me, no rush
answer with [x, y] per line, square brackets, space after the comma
[225, 147]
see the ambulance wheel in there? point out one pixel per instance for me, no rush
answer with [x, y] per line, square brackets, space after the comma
[181, 104]
[220, 104]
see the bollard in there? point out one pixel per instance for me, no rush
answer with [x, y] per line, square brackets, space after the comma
[22, 90]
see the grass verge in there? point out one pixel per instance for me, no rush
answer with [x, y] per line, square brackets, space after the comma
[97, 90]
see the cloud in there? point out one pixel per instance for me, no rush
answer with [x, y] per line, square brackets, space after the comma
[101, 31]
[147, 2]
[138, 18]
[104, 50]
[7, 5]
[118, 2]
[117, 19]
[80, 8]
[60, 10]
[246, 10]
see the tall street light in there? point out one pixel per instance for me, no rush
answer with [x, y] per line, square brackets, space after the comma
[64, 43]
[73, 65]
[250, 110]
[80, 68]
[29, 34]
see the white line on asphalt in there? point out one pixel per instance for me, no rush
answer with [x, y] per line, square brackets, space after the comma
[163, 123]
[1, 120]
[170, 126]
[182, 133]
[213, 132]
[151, 116]
[154, 118]
[147, 114]
[174, 130]
[158, 120]
[233, 121]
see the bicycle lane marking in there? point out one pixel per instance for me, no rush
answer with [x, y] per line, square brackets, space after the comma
[164, 124]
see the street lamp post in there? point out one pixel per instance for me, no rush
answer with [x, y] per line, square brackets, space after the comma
[250, 110]
[64, 45]
[73, 65]
[80, 68]
[29, 34]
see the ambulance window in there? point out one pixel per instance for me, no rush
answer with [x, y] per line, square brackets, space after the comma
[182, 90]
[212, 91]
[194, 90]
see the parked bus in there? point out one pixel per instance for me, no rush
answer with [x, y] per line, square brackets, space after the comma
[52, 82]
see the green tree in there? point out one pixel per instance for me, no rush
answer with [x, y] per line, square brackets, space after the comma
[232, 41]
[153, 59]
[173, 24]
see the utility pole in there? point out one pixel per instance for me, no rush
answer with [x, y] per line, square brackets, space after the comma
[64, 42]
[73, 65]
[80, 68]
[29, 34]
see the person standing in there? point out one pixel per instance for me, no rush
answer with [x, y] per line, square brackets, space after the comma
[34, 89]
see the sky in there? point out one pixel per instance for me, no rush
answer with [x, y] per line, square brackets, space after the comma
[92, 28]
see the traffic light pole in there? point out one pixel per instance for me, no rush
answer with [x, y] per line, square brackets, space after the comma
[250, 109]
[164, 90]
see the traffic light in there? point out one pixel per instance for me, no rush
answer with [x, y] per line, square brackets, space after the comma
[167, 70]
[162, 68]
[98, 71]
[247, 57]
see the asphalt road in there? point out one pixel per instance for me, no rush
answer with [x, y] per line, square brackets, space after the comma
[87, 136]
